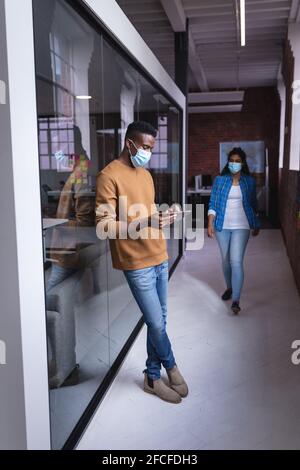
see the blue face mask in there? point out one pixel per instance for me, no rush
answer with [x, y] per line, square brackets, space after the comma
[141, 158]
[234, 167]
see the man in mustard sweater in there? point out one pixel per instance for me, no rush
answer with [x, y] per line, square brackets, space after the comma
[127, 214]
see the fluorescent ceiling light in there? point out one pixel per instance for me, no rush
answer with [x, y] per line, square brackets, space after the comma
[83, 97]
[224, 108]
[216, 97]
[243, 22]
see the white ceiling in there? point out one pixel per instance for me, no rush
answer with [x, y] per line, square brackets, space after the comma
[216, 59]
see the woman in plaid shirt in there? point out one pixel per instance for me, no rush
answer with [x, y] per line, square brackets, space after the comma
[232, 214]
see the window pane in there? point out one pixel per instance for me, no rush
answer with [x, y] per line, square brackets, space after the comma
[74, 259]
[90, 310]
[43, 136]
[45, 163]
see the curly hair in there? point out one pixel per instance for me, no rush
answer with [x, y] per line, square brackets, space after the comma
[140, 127]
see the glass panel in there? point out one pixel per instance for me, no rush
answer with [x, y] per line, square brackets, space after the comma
[127, 98]
[120, 102]
[164, 165]
[87, 94]
[173, 175]
[68, 64]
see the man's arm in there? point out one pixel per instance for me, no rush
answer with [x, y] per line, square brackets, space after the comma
[107, 206]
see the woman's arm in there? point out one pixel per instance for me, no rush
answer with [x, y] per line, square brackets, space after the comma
[210, 226]
[212, 208]
[254, 205]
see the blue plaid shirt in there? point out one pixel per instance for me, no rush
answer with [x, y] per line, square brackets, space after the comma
[219, 196]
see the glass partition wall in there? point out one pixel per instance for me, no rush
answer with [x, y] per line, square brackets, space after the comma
[88, 91]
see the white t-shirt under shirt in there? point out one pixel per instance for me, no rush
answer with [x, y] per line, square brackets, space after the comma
[235, 216]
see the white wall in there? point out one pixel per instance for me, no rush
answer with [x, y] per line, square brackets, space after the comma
[12, 407]
[25, 240]
[294, 37]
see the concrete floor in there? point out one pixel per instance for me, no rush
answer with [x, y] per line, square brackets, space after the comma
[244, 389]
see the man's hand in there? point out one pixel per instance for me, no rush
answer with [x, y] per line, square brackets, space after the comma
[158, 220]
[162, 219]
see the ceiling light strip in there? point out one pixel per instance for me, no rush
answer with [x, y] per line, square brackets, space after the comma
[243, 22]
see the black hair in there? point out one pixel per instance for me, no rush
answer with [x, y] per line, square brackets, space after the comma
[140, 127]
[240, 152]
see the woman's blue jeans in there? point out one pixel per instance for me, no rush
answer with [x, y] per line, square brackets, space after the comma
[232, 245]
[149, 287]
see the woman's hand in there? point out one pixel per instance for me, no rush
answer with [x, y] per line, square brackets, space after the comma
[255, 232]
[210, 230]
[210, 226]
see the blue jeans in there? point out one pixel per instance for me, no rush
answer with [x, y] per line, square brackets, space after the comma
[232, 245]
[57, 275]
[149, 287]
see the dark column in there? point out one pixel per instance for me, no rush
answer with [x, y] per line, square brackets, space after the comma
[182, 59]
[181, 79]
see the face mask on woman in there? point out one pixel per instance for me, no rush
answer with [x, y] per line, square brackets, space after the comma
[234, 167]
[141, 158]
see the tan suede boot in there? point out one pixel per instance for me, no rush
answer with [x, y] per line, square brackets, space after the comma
[177, 382]
[159, 388]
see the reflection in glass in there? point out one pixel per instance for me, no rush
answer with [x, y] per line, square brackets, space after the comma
[68, 64]
[87, 94]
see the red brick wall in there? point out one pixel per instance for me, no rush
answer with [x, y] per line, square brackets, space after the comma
[258, 120]
[289, 179]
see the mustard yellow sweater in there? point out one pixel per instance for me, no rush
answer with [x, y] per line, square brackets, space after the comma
[124, 195]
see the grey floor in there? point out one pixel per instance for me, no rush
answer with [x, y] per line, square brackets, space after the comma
[244, 389]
